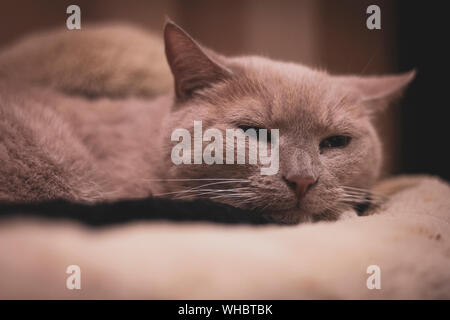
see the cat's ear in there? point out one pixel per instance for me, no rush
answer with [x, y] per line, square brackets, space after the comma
[378, 91]
[192, 66]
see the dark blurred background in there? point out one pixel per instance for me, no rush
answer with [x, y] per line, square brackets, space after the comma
[322, 33]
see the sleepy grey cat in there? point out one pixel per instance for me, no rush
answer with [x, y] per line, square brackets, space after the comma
[54, 144]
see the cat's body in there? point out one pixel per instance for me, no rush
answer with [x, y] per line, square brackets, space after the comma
[99, 61]
[54, 145]
[58, 146]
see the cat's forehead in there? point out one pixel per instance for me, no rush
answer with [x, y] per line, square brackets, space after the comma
[295, 93]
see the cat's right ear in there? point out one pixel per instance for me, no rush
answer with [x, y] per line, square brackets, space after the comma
[192, 68]
[377, 92]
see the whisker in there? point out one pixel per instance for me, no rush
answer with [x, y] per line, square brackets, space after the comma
[238, 195]
[214, 191]
[355, 188]
[357, 197]
[360, 201]
[202, 179]
[365, 197]
[208, 194]
[363, 192]
[195, 188]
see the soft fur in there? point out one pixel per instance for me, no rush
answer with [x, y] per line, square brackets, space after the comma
[408, 239]
[104, 60]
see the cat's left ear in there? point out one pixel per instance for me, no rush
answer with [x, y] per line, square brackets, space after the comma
[378, 91]
[192, 66]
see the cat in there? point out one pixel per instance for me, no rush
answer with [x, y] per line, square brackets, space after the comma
[56, 144]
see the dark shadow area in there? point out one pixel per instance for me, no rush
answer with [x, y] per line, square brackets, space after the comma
[423, 33]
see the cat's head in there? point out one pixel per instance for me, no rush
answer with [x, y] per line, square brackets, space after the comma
[329, 152]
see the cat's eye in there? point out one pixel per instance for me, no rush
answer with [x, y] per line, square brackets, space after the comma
[245, 128]
[335, 142]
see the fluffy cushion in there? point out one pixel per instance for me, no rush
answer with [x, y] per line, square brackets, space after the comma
[408, 238]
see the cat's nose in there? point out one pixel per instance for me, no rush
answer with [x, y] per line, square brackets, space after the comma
[300, 184]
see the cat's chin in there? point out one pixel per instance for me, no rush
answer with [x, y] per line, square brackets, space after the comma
[297, 215]
[292, 216]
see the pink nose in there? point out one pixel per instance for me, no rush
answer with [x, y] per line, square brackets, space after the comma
[300, 184]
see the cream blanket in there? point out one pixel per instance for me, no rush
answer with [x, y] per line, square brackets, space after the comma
[408, 238]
